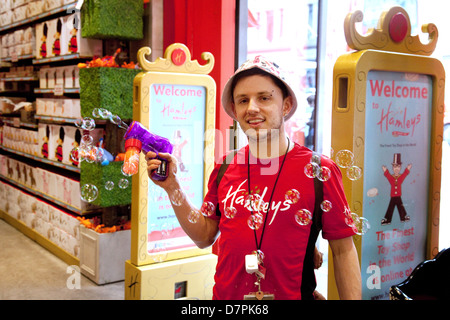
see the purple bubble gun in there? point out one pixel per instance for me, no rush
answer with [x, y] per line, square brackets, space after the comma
[138, 138]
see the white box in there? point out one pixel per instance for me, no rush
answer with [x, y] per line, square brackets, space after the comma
[42, 49]
[72, 140]
[57, 135]
[43, 78]
[103, 255]
[56, 40]
[75, 43]
[45, 143]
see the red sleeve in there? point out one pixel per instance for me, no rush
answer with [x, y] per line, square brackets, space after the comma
[211, 195]
[334, 221]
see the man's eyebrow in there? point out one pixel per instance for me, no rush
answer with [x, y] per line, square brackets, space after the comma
[258, 93]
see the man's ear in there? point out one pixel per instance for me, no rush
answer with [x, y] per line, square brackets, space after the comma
[287, 105]
[233, 108]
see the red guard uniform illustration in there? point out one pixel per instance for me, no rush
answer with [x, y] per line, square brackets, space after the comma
[395, 180]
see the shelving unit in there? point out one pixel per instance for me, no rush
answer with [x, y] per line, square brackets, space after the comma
[13, 120]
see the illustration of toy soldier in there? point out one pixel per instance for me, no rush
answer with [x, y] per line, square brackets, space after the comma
[395, 180]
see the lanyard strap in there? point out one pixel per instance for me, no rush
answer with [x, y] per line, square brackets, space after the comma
[258, 245]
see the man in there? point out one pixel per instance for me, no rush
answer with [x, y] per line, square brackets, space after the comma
[395, 180]
[266, 200]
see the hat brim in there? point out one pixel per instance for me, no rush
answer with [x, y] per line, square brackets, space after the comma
[227, 101]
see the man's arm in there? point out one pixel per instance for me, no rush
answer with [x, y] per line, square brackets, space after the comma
[346, 269]
[204, 232]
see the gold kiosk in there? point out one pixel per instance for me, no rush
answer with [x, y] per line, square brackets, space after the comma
[173, 97]
[387, 133]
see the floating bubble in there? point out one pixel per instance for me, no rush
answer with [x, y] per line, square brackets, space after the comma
[324, 174]
[115, 119]
[87, 139]
[123, 183]
[303, 217]
[312, 170]
[292, 195]
[109, 185]
[194, 216]
[254, 202]
[208, 209]
[75, 154]
[230, 212]
[103, 113]
[96, 113]
[85, 124]
[326, 205]
[344, 158]
[354, 173]
[362, 226]
[255, 221]
[89, 192]
[177, 197]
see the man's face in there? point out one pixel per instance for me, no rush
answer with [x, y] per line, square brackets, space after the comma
[259, 106]
[396, 168]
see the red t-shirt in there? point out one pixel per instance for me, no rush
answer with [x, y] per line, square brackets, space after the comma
[285, 241]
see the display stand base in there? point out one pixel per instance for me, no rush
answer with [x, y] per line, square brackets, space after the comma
[188, 278]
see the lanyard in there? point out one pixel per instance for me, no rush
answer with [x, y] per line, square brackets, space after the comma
[258, 245]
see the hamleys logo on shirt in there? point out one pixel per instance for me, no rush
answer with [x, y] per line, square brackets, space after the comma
[240, 196]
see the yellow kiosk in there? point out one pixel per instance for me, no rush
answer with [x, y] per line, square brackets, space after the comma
[173, 97]
[387, 133]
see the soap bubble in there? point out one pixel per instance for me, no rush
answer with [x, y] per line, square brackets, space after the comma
[254, 202]
[326, 205]
[354, 173]
[89, 192]
[312, 170]
[324, 174]
[177, 197]
[230, 212]
[303, 217]
[87, 139]
[75, 154]
[255, 221]
[115, 119]
[103, 113]
[344, 158]
[292, 195]
[362, 226]
[109, 185]
[194, 216]
[123, 183]
[208, 209]
[85, 124]
[96, 113]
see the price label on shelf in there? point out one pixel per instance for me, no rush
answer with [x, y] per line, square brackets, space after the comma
[59, 89]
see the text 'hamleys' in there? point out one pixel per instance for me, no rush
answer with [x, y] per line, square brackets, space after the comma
[163, 90]
[392, 90]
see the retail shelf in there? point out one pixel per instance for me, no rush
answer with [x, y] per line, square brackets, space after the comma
[73, 56]
[15, 122]
[65, 91]
[56, 119]
[22, 57]
[69, 8]
[43, 160]
[40, 239]
[58, 202]
[20, 79]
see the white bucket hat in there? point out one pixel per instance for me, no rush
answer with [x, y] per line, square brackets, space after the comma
[265, 65]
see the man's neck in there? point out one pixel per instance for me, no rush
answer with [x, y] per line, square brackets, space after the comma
[269, 148]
